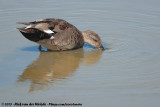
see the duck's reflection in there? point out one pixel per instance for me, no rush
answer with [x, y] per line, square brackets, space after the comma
[55, 66]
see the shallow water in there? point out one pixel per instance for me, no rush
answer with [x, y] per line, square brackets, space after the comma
[126, 74]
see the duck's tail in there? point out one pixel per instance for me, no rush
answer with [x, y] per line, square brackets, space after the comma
[24, 23]
[33, 34]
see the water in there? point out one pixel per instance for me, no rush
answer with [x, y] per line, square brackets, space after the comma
[126, 74]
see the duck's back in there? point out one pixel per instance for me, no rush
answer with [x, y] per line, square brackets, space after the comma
[54, 34]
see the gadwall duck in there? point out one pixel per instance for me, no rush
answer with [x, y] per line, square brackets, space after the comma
[57, 34]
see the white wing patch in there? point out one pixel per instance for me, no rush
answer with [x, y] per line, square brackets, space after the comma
[51, 37]
[48, 31]
[29, 26]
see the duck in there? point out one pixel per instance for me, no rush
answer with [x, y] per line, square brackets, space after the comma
[58, 35]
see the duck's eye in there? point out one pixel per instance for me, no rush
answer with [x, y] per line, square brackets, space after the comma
[95, 40]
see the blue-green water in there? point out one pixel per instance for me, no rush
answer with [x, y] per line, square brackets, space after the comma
[127, 74]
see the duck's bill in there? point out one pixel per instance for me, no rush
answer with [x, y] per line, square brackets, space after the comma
[101, 48]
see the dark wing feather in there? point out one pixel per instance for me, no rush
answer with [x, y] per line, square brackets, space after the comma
[34, 34]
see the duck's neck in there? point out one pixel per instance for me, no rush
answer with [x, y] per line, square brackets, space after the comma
[86, 38]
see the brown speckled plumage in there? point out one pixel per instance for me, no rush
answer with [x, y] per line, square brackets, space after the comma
[57, 34]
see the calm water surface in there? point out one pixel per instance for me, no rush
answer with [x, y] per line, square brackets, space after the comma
[126, 74]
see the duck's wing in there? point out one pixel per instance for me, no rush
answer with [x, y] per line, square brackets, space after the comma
[48, 25]
[34, 34]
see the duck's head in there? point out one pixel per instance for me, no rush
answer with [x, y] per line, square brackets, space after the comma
[92, 38]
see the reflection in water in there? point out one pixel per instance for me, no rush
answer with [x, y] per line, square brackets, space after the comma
[55, 66]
